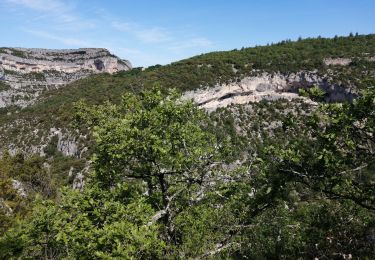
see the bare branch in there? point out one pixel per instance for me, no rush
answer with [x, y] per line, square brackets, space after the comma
[218, 248]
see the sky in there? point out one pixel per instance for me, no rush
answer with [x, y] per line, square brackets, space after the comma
[149, 32]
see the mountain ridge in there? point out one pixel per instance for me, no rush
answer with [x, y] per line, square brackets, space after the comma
[28, 72]
[338, 66]
[274, 160]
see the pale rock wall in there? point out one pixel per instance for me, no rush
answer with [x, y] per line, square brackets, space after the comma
[337, 61]
[68, 61]
[265, 87]
[29, 72]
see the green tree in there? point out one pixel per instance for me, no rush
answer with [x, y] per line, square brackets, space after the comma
[154, 165]
[21, 179]
[338, 158]
[159, 140]
[331, 169]
[94, 224]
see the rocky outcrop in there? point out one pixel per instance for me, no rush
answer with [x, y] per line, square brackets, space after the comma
[337, 61]
[24, 60]
[266, 86]
[19, 187]
[28, 72]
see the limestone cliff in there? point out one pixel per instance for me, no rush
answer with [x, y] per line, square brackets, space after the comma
[266, 86]
[28, 72]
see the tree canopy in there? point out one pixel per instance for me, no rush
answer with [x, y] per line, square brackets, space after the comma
[164, 184]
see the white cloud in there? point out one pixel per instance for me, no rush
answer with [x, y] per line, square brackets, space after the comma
[130, 51]
[58, 12]
[67, 23]
[141, 58]
[154, 35]
[125, 27]
[146, 35]
[40, 5]
[192, 43]
[63, 40]
[161, 35]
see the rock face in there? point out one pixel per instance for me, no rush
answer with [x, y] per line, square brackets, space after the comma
[337, 61]
[265, 87]
[28, 72]
[69, 61]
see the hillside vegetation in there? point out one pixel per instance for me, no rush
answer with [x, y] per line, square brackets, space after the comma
[55, 107]
[265, 180]
[165, 184]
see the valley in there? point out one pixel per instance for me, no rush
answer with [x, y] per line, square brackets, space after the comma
[265, 151]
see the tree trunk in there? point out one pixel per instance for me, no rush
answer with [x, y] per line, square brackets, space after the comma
[167, 218]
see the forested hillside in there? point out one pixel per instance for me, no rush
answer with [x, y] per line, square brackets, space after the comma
[54, 108]
[155, 176]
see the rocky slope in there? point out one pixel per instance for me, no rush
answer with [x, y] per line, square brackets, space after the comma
[42, 129]
[29, 72]
[341, 67]
[267, 86]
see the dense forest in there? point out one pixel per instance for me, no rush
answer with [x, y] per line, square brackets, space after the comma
[269, 180]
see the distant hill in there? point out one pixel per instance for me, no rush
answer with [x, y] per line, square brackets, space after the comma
[277, 163]
[30, 72]
[339, 66]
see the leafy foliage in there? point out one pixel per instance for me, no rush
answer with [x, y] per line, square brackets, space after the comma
[20, 181]
[270, 180]
[160, 141]
[55, 107]
[315, 93]
[93, 225]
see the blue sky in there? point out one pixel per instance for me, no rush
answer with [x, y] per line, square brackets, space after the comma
[159, 32]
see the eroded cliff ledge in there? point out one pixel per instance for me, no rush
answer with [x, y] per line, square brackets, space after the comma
[266, 86]
[28, 72]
